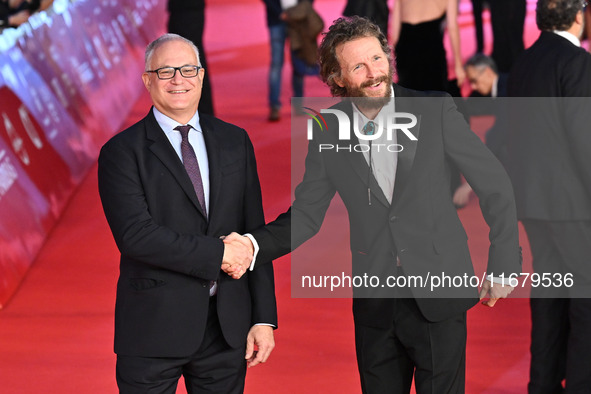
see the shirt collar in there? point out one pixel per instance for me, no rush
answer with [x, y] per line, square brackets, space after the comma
[168, 124]
[569, 36]
[495, 87]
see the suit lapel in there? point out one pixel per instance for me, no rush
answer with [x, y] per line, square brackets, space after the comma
[405, 158]
[360, 165]
[405, 161]
[215, 173]
[162, 149]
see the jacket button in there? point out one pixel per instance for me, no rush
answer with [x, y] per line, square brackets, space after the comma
[393, 218]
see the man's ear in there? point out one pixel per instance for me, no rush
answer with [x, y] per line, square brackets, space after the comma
[579, 23]
[580, 17]
[339, 81]
[147, 81]
[201, 75]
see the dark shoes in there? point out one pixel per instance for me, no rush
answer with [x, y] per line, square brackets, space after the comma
[274, 115]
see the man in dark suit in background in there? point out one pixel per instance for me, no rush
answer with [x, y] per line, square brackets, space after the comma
[484, 77]
[550, 166]
[170, 186]
[487, 84]
[402, 219]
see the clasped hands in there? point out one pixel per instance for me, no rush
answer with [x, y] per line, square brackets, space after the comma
[238, 255]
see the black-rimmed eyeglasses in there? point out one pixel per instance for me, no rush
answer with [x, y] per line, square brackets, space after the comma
[170, 72]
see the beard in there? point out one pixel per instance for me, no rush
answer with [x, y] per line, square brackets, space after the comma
[363, 101]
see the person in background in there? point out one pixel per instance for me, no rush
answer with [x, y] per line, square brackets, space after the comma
[417, 34]
[550, 166]
[376, 11]
[507, 18]
[187, 19]
[486, 84]
[14, 13]
[477, 8]
[277, 36]
[484, 77]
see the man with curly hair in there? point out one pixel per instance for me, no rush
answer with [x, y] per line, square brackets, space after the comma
[403, 222]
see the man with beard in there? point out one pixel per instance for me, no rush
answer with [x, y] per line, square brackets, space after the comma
[402, 219]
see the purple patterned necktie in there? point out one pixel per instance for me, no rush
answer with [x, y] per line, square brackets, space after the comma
[191, 165]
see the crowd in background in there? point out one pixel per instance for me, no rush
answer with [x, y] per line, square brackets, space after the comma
[14, 13]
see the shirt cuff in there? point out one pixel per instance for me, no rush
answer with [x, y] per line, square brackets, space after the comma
[513, 282]
[266, 324]
[256, 250]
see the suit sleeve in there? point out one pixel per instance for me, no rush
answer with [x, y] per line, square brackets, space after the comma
[577, 116]
[304, 218]
[490, 182]
[136, 234]
[261, 280]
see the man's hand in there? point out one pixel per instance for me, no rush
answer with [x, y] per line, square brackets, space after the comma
[462, 195]
[495, 291]
[237, 265]
[238, 254]
[261, 338]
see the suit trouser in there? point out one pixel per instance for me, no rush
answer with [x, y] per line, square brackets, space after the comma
[190, 24]
[477, 8]
[375, 10]
[215, 368]
[507, 20]
[278, 35]
[435, 353]
[560, 340]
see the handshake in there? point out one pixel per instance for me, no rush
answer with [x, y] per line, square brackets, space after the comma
[238, 255]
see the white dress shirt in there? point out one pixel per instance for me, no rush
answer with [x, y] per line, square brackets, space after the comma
[195, 139]
[569, 36]
[383, 162]
[198, 143]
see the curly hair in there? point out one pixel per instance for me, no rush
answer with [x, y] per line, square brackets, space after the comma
[343, 30]
[557, 14]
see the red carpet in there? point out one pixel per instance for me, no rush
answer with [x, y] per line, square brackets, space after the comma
[56, 333]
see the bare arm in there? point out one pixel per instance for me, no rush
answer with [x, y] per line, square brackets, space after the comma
[395, 23]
